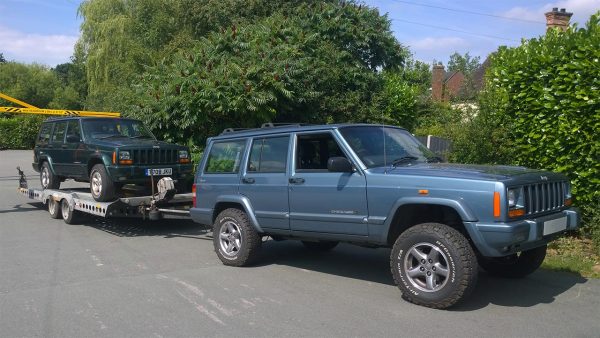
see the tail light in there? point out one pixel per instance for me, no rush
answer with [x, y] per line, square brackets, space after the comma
[194, 195]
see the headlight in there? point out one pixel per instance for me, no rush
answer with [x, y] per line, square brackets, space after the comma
[568, 197]
[183, 154]
[124, 155]
[513, 197]
[516, 203]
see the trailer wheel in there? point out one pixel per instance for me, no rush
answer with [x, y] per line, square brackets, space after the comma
[70, 216]
[54, 208]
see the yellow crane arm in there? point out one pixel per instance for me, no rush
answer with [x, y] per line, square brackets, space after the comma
[61, 112]
[30, 109]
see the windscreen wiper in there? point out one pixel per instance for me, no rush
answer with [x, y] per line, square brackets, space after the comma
[403, 159]
[435, 159]
[110, 136]
[140, 136]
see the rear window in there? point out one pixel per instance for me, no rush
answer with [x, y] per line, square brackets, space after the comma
[225, 157]
[269, 155]
[60, 129]
[45, 131]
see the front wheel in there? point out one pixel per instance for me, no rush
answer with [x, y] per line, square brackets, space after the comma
[235, 240]
[515, 266]
[101, 186]
[433, 265]
[47, 178]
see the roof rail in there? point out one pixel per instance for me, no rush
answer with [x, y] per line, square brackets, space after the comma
[232, 130]
[275, 125]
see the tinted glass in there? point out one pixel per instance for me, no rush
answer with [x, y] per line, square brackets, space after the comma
[115, 128]
[45, 131]
[225, 157]
[59, 132]
[73, 129]
[313, 151]
[269, 155]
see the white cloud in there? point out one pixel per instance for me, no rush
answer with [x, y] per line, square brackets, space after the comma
[45, 49]
[581, 9]
[431, 43]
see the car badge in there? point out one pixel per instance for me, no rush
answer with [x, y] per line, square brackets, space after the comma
[544, 178]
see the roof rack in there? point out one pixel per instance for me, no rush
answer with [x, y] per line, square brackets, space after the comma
[264, 126]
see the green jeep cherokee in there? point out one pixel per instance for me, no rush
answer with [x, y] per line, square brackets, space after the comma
[107, 153]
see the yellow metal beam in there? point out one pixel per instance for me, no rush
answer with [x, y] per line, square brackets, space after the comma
[60, 112]
[13, 100]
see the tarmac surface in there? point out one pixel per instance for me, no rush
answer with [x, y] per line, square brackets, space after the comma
[130, 278]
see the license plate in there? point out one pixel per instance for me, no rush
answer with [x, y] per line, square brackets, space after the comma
[555, 225]
[159, 172]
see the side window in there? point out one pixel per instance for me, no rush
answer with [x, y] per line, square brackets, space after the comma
[313, 151]
[225, 157]
[45, 132]
[269, 155]
[73, 129]
[58, 135]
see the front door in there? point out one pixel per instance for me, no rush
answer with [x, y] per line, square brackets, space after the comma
[323, 201]
[265, 181]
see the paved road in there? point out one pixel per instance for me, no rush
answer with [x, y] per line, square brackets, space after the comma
[129, 278]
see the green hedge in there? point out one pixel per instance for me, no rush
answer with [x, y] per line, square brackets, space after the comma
[551, 108]
[19, 132]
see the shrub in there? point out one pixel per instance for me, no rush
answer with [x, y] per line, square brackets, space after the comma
[19, 132]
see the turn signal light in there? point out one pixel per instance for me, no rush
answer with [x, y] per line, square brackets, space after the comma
[114, 157]
[184, 160]
[125, 161]
[516, 213]
[496, 204]
[194, 195]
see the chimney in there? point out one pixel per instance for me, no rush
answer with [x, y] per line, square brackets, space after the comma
[558, 19]
[437, 82]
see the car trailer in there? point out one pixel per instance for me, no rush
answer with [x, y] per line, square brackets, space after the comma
[68, 203]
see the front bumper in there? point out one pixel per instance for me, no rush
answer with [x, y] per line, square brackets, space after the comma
[137, 173]
[501, 239]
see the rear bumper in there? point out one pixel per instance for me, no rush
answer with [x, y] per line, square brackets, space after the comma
[501, 239]
[137, 174]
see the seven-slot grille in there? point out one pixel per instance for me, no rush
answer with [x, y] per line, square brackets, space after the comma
[542, 197]
[154, 156]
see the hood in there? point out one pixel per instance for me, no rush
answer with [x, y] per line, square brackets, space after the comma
[135, 143]
[471, 171]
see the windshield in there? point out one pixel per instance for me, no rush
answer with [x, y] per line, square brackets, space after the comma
[115, 128]
[401, 148]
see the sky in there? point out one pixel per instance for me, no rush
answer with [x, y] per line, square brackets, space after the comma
[45, 31]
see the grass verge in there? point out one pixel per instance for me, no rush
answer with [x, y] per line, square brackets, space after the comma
[573, 254]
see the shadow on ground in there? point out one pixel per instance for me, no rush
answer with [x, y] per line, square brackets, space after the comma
[542, 287]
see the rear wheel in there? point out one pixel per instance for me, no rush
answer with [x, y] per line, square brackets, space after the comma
[321, 245]
[69, 215]
[433, 265]
[514, 266]
[47, 178]
[101, 186]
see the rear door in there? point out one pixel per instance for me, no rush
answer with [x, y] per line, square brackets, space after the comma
[73, 151]
[323, 201]
[42, 142]
[265, 181]
[56, 148]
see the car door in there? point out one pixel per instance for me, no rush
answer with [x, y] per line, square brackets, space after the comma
[265, 182]
[56, 148]
[73, 151]
[323, 201]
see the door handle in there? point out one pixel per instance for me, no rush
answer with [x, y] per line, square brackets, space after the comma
[296, 180]
[248, 180]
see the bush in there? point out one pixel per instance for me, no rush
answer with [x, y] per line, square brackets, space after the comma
[19, 132]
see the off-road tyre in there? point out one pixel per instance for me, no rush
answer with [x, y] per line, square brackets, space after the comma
[47, 178]
[101, 186]
[54, 209]
[320, 245]
[457, 258]
[70, 216]
[233, 226]
[514, 266]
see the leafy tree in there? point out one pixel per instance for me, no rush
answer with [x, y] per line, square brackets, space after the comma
[2, 59]
[550, 106]
[463, 63]
[34, 84]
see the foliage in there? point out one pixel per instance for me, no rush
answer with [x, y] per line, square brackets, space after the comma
[2, 59]
[573, 254]
[551, 103]
[34, 84]
[19, 132]
[463, 63]
[318, 65]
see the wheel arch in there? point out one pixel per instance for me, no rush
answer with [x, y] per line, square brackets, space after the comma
[238, 202]
[47, 159]
[412, 211]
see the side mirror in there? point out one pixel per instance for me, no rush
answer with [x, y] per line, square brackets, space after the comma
[73, 139]
[339, 165]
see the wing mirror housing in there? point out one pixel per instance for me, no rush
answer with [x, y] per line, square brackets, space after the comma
[339, 165]
[73, 139]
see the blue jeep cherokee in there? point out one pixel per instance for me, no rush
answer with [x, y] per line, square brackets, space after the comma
[378, 186]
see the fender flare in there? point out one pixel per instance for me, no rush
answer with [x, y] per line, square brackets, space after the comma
[464, 212]
[245, 203]
[103, 158]
[46, 158]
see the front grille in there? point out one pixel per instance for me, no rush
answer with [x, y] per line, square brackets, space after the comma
[543, 197]
[154, 156]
